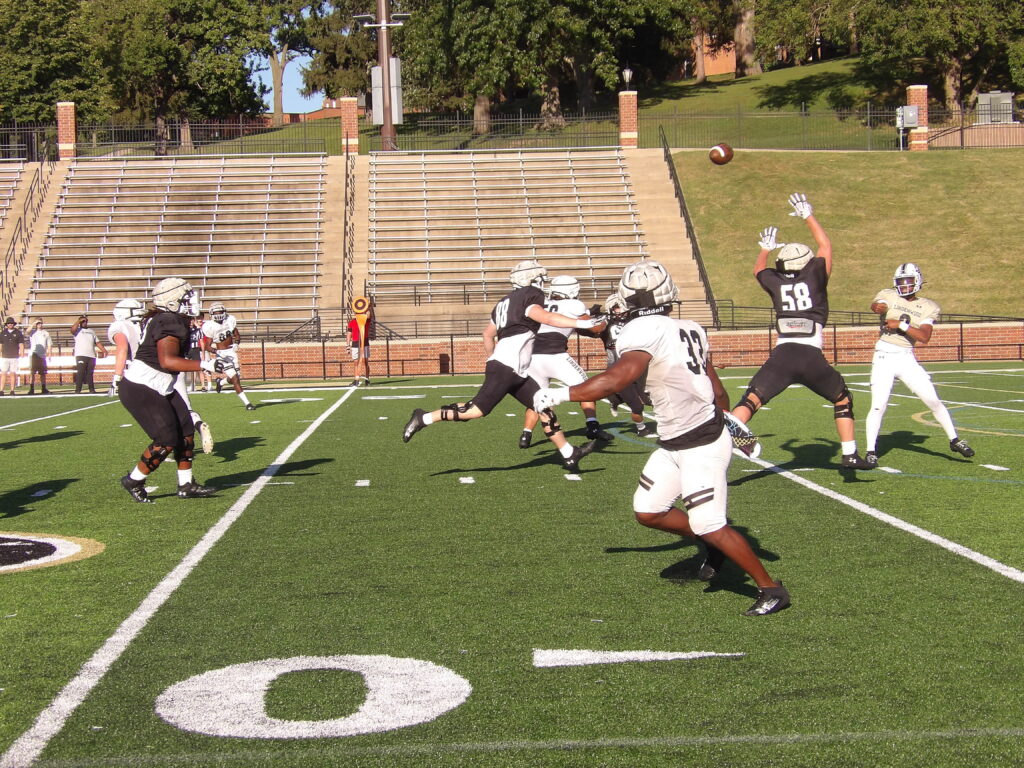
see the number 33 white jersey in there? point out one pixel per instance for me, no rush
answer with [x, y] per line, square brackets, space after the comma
[681, 391]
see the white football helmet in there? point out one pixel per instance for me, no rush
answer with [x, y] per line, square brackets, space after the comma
[176, 295]
[908, 279]
[217, 312]
[528, 272]
[564, 287]
[128, 309]
[614, 305]
[647, 284]
[792, 257]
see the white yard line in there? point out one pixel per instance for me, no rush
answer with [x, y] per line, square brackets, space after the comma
[27, 748]
[57, 415]
[957, 549]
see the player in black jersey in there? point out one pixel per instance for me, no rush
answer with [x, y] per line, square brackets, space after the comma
[798, 285]
[508, 340]
[148, 392]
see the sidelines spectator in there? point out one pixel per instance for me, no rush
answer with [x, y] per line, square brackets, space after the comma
[41, 347]
[360, 350]
[87, 344]
[12, 347]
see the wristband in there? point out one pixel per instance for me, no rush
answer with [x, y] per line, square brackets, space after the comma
[904, 326]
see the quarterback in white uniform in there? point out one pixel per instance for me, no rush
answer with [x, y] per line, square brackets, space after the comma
[222, 331]
[125, 335]
[694, 447]
[551, 358]
[907, 320]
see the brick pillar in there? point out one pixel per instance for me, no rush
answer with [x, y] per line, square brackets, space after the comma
[349, 125]
[917, 96]
[628, 125]
[67, 129]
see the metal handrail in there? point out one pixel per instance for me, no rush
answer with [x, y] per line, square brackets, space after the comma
[690, 231]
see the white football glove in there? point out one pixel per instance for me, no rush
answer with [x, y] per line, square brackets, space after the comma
[210, 366]
[114, 384]
[549, 397]
[767, 240]
[586, 323]
[801, 207]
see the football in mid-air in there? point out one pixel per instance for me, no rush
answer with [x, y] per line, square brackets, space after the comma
[720, 154]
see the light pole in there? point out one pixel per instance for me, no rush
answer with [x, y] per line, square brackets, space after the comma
[382, 22]
[627, 76]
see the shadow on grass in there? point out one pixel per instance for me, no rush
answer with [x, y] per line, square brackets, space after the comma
[808, 90]
[47, 438]
[15, 503]
[905, 440]
[230, 449]
[824, 454]
[287, 470]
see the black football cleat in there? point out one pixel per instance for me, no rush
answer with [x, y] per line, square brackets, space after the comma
[594, 432]
[137, 489]
[871, 458]
[854, 461]
[526, 439]
[645, 430]
[250, 407]
[712, 563]
[193, 490]
[572, 464]
[414, 425]
[956, 445]
[769, 600]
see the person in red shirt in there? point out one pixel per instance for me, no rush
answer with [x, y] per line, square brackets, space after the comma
[360, 351]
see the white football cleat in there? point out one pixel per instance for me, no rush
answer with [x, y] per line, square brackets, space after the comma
[742, 438]
[206, 436]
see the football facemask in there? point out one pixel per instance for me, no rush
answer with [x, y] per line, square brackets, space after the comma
[218, 313]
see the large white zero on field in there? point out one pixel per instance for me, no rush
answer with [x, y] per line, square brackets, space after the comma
[231, 701]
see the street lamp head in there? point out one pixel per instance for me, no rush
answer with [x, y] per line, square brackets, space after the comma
[365, 18]
[627, 76]
[400, 16]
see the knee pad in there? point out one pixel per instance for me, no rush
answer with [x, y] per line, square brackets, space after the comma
[551, 426]
[186, 450]
[454, 411]
[748, 403]
[154, 456]
[844, 410]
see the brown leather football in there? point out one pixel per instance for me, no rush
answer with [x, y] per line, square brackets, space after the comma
[720, 154]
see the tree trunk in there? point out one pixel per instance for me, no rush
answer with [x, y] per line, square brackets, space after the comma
[481, 115]
[854, 40]
[162, 135]
[584, 85]
[743, 38]
[551, 104]
[278, 61]
[186, 136]
[952, 78]
[699, 73]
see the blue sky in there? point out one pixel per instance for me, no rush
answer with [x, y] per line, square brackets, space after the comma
[293, 102]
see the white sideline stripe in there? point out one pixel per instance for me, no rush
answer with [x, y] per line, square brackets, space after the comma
[24, 751]
[485, 747]
[549, 657]
[62, 413]
[957, 549]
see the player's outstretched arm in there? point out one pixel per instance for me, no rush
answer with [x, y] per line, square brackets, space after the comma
[627, 369]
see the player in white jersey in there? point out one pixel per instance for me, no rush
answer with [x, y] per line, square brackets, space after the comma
[222, 331]
[694, 447]
[907, 320]
[124, 334]
[551, 358]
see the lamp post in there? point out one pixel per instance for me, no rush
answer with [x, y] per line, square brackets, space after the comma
[382, 22]
[627, 76]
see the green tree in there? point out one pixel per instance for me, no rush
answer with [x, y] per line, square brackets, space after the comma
[188, 59]
[341, 51]
[967, 45]
[45, 58]
[284, 23]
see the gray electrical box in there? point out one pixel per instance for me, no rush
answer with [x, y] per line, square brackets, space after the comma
[995, 107]
[906, 117]
[377, 93]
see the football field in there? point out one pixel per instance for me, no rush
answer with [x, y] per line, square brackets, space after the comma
[350, 600]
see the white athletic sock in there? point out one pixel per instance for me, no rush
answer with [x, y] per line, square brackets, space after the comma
[184, 476]
[196, 418]
[849, 446]
[243, 397]
[566, 450]
[428, 418]
[945, 421]
[136, 475]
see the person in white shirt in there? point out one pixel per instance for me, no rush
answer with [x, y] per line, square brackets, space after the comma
[221, 332]
[87, 344]
[907, 319]
[683, 486]
[40, 348]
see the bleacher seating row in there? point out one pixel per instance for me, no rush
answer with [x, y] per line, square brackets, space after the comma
[443, 226]
[10, 176]
[247, 231]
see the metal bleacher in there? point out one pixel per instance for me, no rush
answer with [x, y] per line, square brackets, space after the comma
[10, 175]
[446, 228]
[247, 231]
